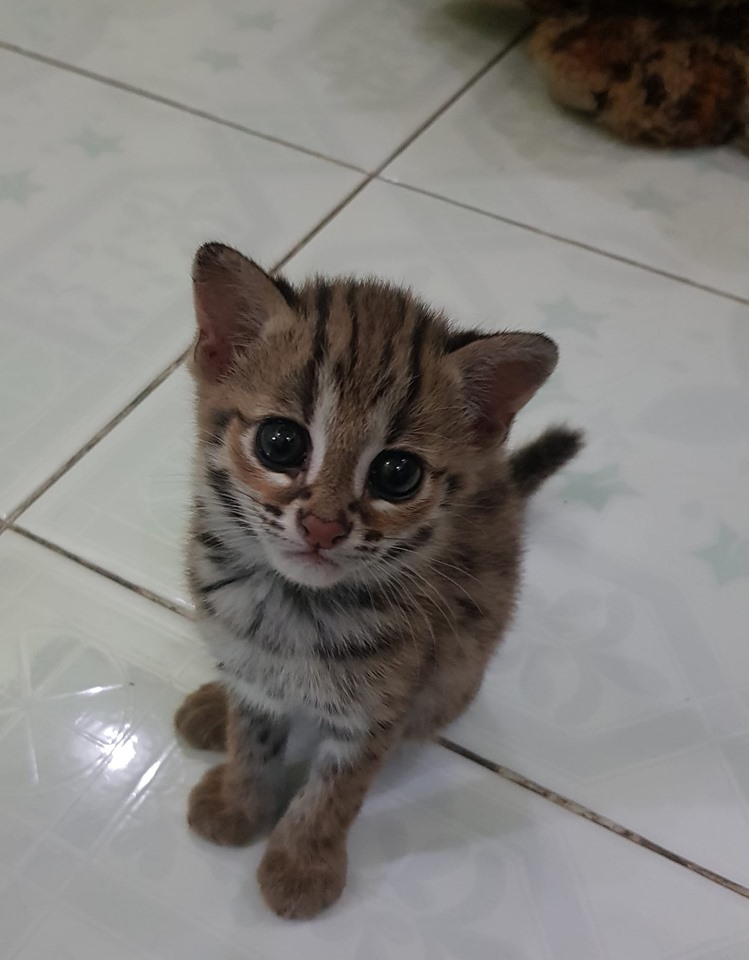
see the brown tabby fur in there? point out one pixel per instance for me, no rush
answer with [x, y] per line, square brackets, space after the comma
[396, 646]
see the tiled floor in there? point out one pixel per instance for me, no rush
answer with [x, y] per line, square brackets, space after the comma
[133, 132]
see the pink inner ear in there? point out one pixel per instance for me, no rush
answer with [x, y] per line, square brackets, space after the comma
[213, 356]
[218, 311]
[507, 394]
[218, 307]
[500, 375]
[233, 299]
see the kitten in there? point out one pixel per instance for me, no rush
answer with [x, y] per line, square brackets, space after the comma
[355, 544]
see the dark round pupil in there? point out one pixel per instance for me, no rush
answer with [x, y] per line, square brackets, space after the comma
[395, 475]
[281, 443]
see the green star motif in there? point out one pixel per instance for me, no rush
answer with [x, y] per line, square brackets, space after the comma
[256, 21]
[564, 313]
[596, 487]
[218, 60]
[646, 198]
[728, 557]
[17, 187]
[702, 161]
[94, 144]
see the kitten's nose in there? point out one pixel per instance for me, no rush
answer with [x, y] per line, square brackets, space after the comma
[323, 533]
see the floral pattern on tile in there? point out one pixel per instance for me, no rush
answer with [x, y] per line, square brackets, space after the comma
[446, 858]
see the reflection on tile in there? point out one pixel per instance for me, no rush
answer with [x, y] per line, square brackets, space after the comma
[506, 148]
[446, 858]
[625, 682]
[326, 74]
[81, 665]
[65, 935]
[103, 199]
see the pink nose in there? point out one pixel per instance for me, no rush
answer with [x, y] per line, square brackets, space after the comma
[323, 533]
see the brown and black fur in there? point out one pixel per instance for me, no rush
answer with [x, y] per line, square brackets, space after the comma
[671, 73]
[398, 645]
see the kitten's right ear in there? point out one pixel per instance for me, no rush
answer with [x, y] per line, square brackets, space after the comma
[500, 373]
[234, 299]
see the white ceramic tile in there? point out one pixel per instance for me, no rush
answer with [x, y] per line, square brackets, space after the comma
[329, 75]
[507, 148]
[625, 682]
[446, 860]
[103, 199]
[124, 507]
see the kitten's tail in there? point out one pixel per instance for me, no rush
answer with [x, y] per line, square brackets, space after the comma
[538, 460]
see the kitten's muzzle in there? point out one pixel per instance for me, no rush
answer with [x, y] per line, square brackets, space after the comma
[322, 534]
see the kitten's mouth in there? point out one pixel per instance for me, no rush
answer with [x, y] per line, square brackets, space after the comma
[308, 567]
[313, 557]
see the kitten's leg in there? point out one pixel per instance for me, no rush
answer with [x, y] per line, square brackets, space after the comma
[304, 867]
[235, 801]
[201, 720]
[440, 704]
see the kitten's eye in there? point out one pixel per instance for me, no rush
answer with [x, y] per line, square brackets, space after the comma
[281, 444]
[395, 475]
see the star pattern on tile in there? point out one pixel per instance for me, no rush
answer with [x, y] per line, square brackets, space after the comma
[647, 198]
[727, 557]
[595, 488]
[605, 422]
[17, 187]
[218, 60]
[264, 20]
[702, 161]
[564, 313]
[94, 144]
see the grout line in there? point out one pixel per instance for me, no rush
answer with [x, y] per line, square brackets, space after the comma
[580, 244]
[378, 170]
[506, 773]
[10, 522]
[310, 235]
[174, 104]
[251, 131]
[320, 225]
[572, 806]
[102, 571]
[451, 100]
[95, 439]
[403, 145]
[163, 375]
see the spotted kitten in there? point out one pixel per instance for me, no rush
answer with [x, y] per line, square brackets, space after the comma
[355, 544]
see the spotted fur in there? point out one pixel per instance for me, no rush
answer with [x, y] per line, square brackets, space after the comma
[664, 72]
[387, 633]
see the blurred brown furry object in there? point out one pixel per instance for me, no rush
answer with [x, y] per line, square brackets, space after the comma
[670, 73]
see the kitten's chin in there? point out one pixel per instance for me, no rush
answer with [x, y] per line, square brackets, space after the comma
[306, 569]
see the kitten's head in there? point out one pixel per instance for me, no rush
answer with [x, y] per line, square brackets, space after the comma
[343, 423]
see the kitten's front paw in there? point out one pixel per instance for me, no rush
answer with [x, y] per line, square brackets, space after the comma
[301, 886]
[202, 718]
[216, 816]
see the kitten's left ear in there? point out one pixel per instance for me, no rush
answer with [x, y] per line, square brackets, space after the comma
[500, 374]
[234, 299]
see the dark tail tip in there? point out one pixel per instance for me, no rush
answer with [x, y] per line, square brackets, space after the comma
[542, 457]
